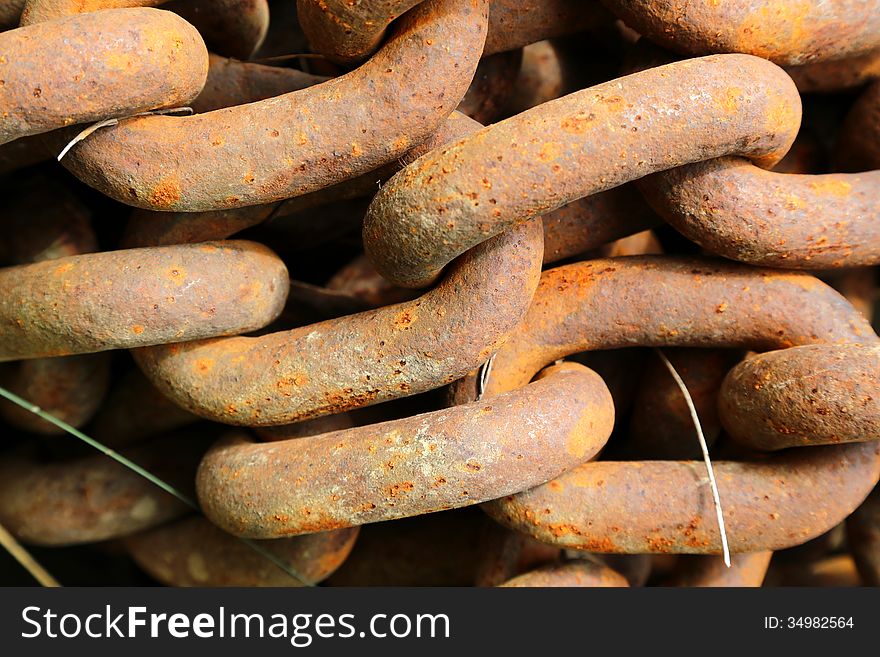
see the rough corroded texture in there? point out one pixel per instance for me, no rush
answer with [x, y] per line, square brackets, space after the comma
[737, 210]
[44, 221]
[746, 569]
[670, 301]
[863, 535]
[231, 82]
[40, 11]
[661, 426]
[301, 141]
[348, 32]
[231, 27]
[94, 498]
[541, 78]
[162, 56]
[810, 395]
[784, 31]
[595, 220]
[137, 297]
[517, 23]
[586, 142]
[360, 359]
[148, 228]
[858, 147]
[666, 506]
[582, 574]
[836, 75]
[193, 552]
[491, 87]
[432, 462]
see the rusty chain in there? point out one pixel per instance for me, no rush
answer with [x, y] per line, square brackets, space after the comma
[438, 203]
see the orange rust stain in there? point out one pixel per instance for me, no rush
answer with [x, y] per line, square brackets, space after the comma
[730, 101]
[578, 123]
[137, 329]
[404, 319]
[166, 193]
[832, 187]
[550, 151]
[204, 365]
[60, 269]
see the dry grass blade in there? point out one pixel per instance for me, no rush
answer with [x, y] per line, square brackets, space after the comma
[106, 123]
[702, 438]
[24, 557]
[168, 488]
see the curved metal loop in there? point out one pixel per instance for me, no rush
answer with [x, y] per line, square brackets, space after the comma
[802, 396]
[783, 31]
[592, 140]
[401, 350]
[94, 498]
[665, 301]
[768, 505]
[299, 142]
[163, 56]
[793, 221]
[431, 462]
[193, 552]
[81, 304]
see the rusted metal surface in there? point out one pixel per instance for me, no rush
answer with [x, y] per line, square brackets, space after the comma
[193, 552]
[810, 395]
[168, 294]
[235, 28]
[148, 228]
[595, 220]
[299, 142]
[403, 349]
[231, 82]
[783, 31]
[506, 554]
[670, 301]
[493, 83]
[93, 498]
[432, 462]
[737, 210]
[163, 57]
[769, 504]
[587, 142]
[517, 23]
[347, 32]
[40, 11]
[837, 74]
[44, 221]
[661, 426]
[541, 78]
[746, 570]
[863, 534]
[858, 147]
[582, 574]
